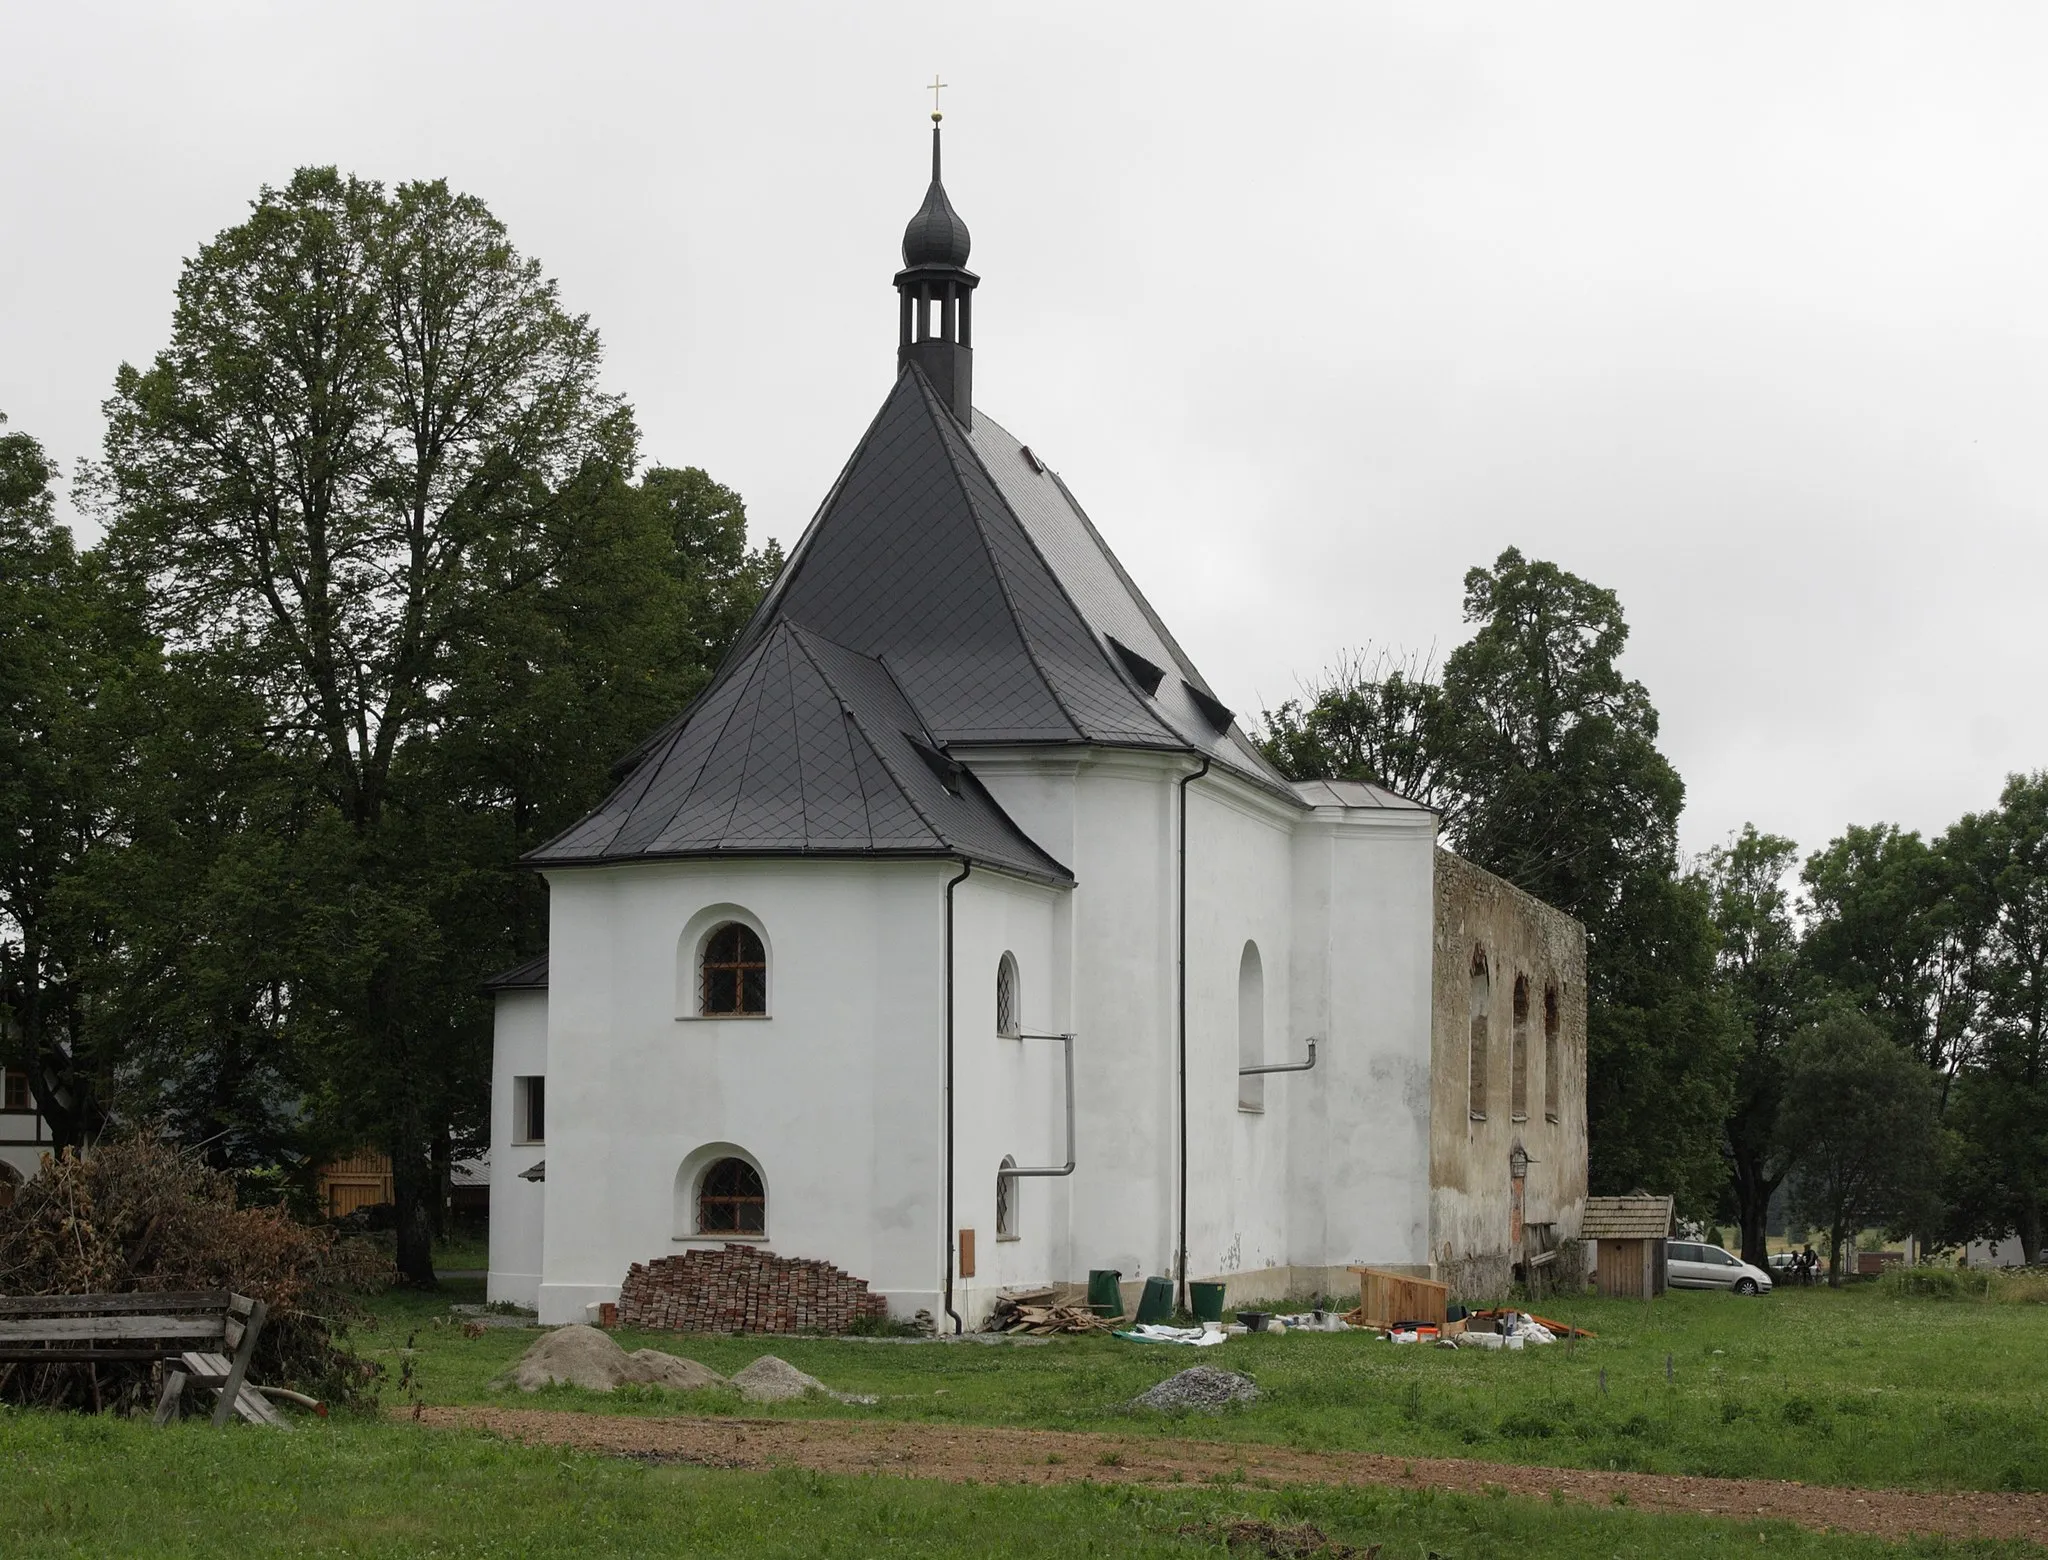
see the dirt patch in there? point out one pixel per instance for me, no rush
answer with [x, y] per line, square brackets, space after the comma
[989, 1454]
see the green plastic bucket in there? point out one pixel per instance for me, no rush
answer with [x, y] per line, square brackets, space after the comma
[1156, 1303]
[1207, 1299]
[1104, 1297]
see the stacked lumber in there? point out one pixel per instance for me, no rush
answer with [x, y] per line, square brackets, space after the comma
[1040, 1313]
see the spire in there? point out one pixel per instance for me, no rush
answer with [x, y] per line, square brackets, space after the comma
[936, 323]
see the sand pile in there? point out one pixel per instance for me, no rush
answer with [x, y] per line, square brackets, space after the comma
[584, 1357]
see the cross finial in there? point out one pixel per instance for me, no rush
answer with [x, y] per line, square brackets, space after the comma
[935, 86]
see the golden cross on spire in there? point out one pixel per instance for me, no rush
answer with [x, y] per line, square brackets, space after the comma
[935, 86]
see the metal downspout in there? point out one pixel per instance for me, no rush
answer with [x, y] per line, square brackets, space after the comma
[1180, 1260]
[946, 1233]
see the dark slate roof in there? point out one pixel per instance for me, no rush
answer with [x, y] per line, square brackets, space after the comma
[801, 747]
[1111, 601]
[948, 594]
[530, 976]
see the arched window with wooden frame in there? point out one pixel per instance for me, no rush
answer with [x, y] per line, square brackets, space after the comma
[733, 973]
[1009, 1008]
[1518, 1057]
[1553, 1082]
[1479, 1001]
[731, 1199]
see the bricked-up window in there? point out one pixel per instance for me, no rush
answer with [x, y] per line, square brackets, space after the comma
[1478, 1002]
[1553, 1089]
[1006, 1200]
[1518, 1058]
[735, 973]
[14, 1092]
[1009, 1021]
[731, 1200]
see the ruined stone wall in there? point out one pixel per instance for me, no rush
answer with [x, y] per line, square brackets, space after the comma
[743, 1289]
[1476, 1240]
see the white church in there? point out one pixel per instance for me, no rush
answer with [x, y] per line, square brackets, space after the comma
[956, 935]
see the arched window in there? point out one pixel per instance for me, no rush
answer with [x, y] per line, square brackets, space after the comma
[1478, 1003]
[1251, 1028]
[1009, 1014]
[1006, 1200]
[731, 1199]
[1518, 1058]
[1552, 1083]
[733, 973]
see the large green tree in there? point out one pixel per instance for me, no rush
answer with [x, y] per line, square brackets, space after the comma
[1998, 863]
[1760, 967]
[374, 422]
[1858, 1116]
[66, 651]
[1541, 757]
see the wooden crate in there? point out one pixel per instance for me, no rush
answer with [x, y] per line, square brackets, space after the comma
[1395, 1297]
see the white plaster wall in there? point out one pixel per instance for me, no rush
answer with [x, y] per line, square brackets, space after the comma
[519, 1049]
[24, 1139]
[1009, 1095]
[1359, 1184]
[835, 1094]
[1109, 816]
[1240, 889]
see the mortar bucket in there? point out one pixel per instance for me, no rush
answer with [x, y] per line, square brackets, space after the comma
[1104, 1298]
[1156, 1303]
[1207, 1299]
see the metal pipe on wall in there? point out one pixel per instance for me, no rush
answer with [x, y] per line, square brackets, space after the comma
[1180, 1254]
[946, 1232]
[1067, 1041]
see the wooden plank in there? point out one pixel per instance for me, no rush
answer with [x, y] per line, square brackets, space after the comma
[240, 1371]
[167, 1405]
[85, 1354]
[207, 1368]
[114, 1305]
[231, 1334]
[257, 1409]
[113, 1329]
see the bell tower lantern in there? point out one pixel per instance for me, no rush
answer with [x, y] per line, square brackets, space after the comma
[935, 293]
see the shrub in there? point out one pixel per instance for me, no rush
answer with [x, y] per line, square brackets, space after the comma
[139, 1215]
[2017, 1286]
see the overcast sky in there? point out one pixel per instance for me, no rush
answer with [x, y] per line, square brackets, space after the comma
[1738, 310]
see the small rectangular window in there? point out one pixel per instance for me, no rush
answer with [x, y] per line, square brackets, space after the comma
[529, 1110]
[16, 1091]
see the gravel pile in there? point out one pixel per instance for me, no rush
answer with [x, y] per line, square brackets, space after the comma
[770, 1380]
[1204, 1387]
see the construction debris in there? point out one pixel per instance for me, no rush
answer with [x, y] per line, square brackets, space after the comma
[1039, 1313]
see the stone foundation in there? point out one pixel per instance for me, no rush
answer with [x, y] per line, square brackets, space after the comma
[744, 1289]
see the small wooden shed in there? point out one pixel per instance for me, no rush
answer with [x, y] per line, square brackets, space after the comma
[1628, 1235]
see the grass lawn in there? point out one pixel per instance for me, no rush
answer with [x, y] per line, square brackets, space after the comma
[1845, 1387]
[103, 1487]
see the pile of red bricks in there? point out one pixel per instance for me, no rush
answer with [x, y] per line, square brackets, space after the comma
[743, 1289]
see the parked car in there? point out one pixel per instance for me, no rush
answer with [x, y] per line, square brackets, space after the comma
[1781, 1263]
[1691, 1265]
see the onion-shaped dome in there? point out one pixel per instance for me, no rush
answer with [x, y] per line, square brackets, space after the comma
[936, 235]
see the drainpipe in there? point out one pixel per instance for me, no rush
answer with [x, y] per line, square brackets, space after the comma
[947, 1232]
[1180, 1260]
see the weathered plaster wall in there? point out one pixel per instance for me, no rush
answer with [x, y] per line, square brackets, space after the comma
[1472, 1235]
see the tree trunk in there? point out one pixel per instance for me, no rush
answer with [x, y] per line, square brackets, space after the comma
[1753, 1192]
[444, 1181]
[411, 1193]
[2030, 1228]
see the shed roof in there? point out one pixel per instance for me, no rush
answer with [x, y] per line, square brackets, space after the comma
[1626, 1218]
